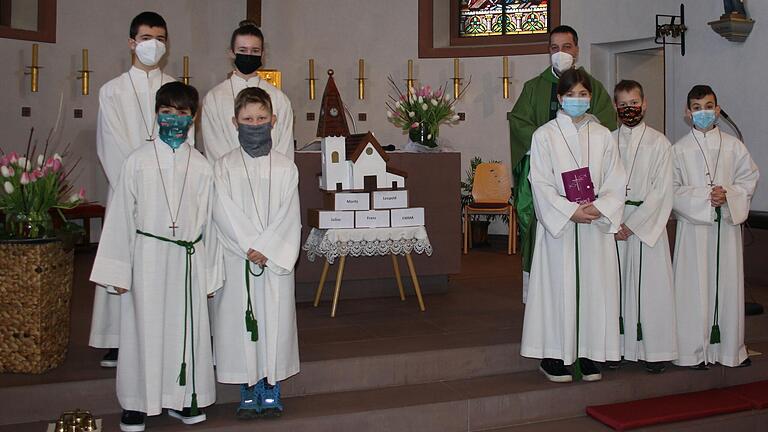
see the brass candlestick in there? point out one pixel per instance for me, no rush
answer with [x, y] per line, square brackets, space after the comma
[311, 79]
[76, 421]
[185, 71]
[85, 75]
[410, 81]
[505, 77]
[456, 79]
[34, 70]
[361, 79]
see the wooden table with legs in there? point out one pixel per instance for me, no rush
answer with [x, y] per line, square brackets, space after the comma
[340, 243]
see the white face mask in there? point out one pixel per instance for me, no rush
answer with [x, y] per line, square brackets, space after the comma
[562, 61]
[149, 52]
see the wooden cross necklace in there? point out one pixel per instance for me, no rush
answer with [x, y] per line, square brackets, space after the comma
[150, 133]
[634, 159]
[253, 194]
[577, 140]
[174, 219]
[711, 177]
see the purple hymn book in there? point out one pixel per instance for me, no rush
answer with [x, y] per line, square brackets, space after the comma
[578, 186]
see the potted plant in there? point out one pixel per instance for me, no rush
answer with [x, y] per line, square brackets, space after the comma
[420, 112]
[478, 223]
[36, 281]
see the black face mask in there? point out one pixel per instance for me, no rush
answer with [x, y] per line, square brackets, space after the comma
[247, 64]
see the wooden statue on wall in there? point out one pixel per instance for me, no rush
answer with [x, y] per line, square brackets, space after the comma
[332, 120]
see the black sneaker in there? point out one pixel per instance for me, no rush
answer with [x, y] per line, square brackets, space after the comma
[110, 359]
[589, 370]
[132, 421]
[613, 364]
[186, 416]
[746, 363]
[701, 367]
[555, 370]
[655, 367]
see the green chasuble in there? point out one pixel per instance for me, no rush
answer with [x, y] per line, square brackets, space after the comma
[537, 105]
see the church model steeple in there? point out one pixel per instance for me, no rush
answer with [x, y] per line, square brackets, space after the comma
[332, 120]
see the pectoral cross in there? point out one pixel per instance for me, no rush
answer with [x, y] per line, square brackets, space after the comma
[711, 181]
[626, 190]
[150, 139]
[173, 228]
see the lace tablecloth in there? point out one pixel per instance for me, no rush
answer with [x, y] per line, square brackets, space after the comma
[333, 243]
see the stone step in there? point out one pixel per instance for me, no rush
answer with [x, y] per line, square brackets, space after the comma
[475, 404]
[390, 363]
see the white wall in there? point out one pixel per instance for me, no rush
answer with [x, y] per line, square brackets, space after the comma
[197, 28]
[338, 32]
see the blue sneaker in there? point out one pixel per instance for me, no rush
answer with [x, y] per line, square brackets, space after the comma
[249, 404]
[269, 399]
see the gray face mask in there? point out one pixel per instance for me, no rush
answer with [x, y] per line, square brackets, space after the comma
[255, 140]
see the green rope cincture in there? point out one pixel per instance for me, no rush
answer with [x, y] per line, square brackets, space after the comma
[639, 287]
[621, 290]
[189, 246]
[714, 337]
[621, 283]
[251, 326]
[577, 364]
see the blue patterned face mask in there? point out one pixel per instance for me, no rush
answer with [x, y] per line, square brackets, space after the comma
[703, 119]
[575, 106]
[173, 129]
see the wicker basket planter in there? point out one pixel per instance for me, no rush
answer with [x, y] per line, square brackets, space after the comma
[35, 292]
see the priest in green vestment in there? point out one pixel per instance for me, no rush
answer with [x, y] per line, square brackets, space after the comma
[537, 105]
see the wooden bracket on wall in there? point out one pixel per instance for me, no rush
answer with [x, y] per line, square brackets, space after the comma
[253, 11]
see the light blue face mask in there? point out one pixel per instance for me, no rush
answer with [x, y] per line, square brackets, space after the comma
[575, 106]
[703, 119]
[173, 129]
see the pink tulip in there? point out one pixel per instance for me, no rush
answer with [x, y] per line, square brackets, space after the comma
[439, 93]
[56, 165]
[38, 173]
[4, 161]
[81, 194]
[13, 157]
[25, 178]
[414, 125]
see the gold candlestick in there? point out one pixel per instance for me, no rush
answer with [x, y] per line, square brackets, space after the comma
[361, 79]
[505, 77]
[410, 81]
[311, 79]
[185, 71]
[85, 75]
[456, 79]
[34, 70]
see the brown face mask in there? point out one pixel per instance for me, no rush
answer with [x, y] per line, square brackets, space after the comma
[631, 115]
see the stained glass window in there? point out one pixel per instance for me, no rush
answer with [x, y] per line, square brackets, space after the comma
[502, 17]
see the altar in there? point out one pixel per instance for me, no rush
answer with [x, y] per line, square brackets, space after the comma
[433, 183]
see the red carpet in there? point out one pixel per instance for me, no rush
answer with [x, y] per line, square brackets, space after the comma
[667, 409]
[756, 393]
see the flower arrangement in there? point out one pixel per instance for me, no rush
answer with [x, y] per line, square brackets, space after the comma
[33, 186]
[421, 111]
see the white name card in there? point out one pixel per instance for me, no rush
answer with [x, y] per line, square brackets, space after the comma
[372, 219]
[326, 219]
[407, 217]
[350, 201]
[390, 199]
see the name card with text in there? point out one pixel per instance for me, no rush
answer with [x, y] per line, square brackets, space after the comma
[348, 201]
[327, 219]
[407, 217]
[390, 199]
[372, 219]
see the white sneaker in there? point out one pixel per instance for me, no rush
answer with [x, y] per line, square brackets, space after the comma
[186, 417]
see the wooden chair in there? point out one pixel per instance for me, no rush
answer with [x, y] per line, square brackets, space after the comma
[491, 191]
